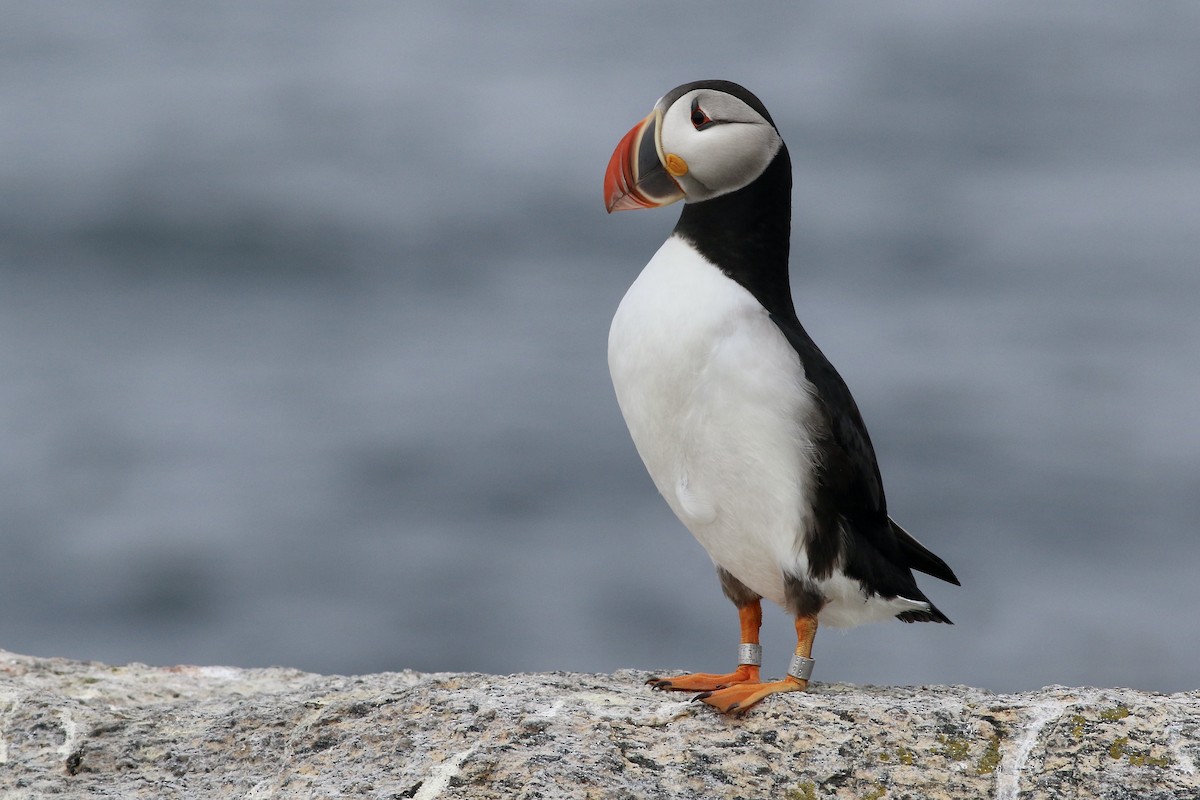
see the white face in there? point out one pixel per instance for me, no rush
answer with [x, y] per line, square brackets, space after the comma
[724, 143]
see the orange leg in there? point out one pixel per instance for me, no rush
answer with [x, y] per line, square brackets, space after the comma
[750, 616]
[738, 699]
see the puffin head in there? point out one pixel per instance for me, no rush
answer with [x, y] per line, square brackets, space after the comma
[702, 140]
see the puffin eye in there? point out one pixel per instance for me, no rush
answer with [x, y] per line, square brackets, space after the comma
[699, 118]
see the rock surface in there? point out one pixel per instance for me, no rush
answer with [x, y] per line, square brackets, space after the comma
[77, 729]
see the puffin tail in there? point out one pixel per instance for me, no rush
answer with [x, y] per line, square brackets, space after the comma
[919, 557]
[931, 615]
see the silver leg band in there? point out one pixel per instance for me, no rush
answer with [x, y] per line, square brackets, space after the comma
[750, 654]
[801, 668]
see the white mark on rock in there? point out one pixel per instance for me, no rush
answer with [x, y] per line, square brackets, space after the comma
[260, 790]
[1176, 741]
[70, 733]
[549, 711]
[222, 673]
[440, 776]
[13, 701]
[637, 708]
[1008, 777]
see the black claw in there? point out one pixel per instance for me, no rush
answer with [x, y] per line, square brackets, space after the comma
[702, 696]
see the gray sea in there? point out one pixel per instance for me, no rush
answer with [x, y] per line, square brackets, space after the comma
[304, 306]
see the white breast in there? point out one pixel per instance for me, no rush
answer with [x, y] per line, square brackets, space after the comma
[717, 404]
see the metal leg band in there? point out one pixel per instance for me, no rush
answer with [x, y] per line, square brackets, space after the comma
[750, 654]
[801, 668]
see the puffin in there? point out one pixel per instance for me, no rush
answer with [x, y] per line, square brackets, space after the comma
[747, 431]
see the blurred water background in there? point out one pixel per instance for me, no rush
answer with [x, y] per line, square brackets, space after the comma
[303, 316]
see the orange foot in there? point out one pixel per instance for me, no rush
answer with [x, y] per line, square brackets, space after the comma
[706, 682]
[738, 699]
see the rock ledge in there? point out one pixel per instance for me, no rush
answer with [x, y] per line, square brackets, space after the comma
[81, 729]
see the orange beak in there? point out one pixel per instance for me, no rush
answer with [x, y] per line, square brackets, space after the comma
[636, 176]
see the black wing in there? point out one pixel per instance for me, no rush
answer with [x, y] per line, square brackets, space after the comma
[850, 495]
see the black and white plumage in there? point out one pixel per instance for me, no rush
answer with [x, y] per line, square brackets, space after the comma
[747, 430]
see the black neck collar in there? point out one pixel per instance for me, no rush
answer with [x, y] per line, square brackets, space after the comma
[747, 234]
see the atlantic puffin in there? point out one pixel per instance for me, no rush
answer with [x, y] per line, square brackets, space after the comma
[746, 429]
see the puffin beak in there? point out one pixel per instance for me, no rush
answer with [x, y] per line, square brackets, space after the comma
[636, 176]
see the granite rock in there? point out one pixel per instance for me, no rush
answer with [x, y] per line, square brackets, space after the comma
[70, 728]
